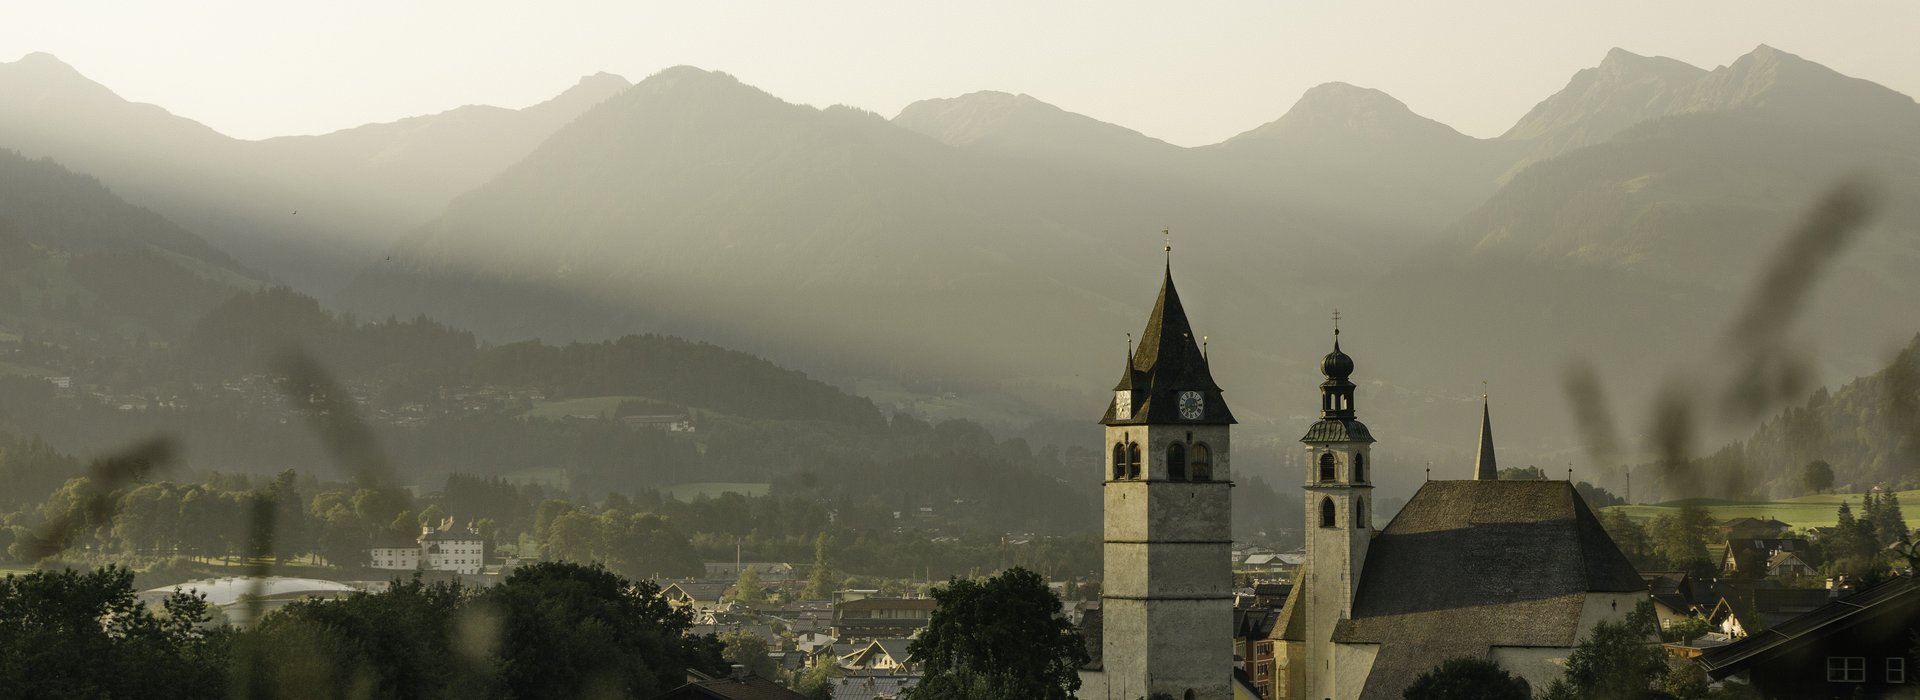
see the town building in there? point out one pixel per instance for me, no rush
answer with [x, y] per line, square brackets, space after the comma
[443, 548]
[877, 617]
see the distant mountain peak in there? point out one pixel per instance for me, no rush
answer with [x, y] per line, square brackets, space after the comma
[42, 58]
[1787, 87]
[1626, 88]
[1345, 110]
[1018, 121]
[40, 65]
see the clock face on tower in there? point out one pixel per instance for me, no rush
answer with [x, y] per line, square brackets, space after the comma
[1192, 407]
[1123, 405]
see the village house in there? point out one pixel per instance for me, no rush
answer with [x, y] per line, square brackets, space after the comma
[1752, 527]
[1857, 645]
[738, 685]
[876, 617]
[1748, 607]
[770, 571]
[1762, 557]
[698, 595]
[881, 656]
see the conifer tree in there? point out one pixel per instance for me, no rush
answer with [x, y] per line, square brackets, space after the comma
[820, 581]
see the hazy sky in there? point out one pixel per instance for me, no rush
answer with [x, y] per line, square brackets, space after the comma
[1190, 73]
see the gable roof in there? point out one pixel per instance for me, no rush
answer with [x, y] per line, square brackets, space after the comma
[1292, 625]
[888, 604]
[1899, 595]
[698, 590]
[1469, 565]
[750, 687]
[1092, 631]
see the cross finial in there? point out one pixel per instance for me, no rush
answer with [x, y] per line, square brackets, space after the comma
[1336, 322]
[1167, 238]
[1483, 391]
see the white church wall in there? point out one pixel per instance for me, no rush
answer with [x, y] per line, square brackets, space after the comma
[1538, 665]
[1352, 663]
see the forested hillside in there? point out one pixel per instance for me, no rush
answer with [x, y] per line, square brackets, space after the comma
[77, 263]
[1868, 430]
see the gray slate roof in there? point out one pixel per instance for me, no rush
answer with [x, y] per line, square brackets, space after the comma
[1469, 565]
[1338, 430]
[1092, 630]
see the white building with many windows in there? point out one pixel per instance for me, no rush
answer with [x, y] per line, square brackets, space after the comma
[445, 548]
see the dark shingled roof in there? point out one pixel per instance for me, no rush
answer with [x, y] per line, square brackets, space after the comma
[1897, 596]
[1468, 565]
[727, 688]
[1091, 630]
[1292, 626]
[1338, 430]
[1168, 361]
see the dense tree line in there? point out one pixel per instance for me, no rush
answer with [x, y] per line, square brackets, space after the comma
[168, 526]
[1866, 433]
[545, 631]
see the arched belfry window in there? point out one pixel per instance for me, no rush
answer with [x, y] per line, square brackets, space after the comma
[1119, 461]
[1360, 514]
[1360, 467]
[1177, 462]
[1326, 513]
[1133, 461]
[1326, 466]
[1200, 462]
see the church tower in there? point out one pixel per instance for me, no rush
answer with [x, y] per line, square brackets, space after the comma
[1167, 591]
[1339, 495]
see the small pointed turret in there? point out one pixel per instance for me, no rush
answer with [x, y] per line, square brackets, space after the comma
[1484, 467]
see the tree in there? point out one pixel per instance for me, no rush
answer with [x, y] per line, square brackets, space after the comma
[749, 650]
[396, 643]
[747, 589]
[573, 630]
[1629, 537]
[820, 580]
[1617, 661]
[1467, 679]
[1680, 538]
[72, 634]
[998, 637]
[1816, 476]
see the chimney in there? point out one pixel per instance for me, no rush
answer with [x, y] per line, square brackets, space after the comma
[738, 672]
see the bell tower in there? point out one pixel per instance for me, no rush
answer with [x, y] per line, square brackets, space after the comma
[1339, 508]
[1167, 590]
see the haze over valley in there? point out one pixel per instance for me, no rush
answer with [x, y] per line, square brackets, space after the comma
[966, 257]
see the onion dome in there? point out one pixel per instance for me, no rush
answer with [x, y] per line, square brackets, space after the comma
[1337, 365]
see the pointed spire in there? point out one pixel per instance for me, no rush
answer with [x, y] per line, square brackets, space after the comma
[1169, 360]
[1484, 468]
